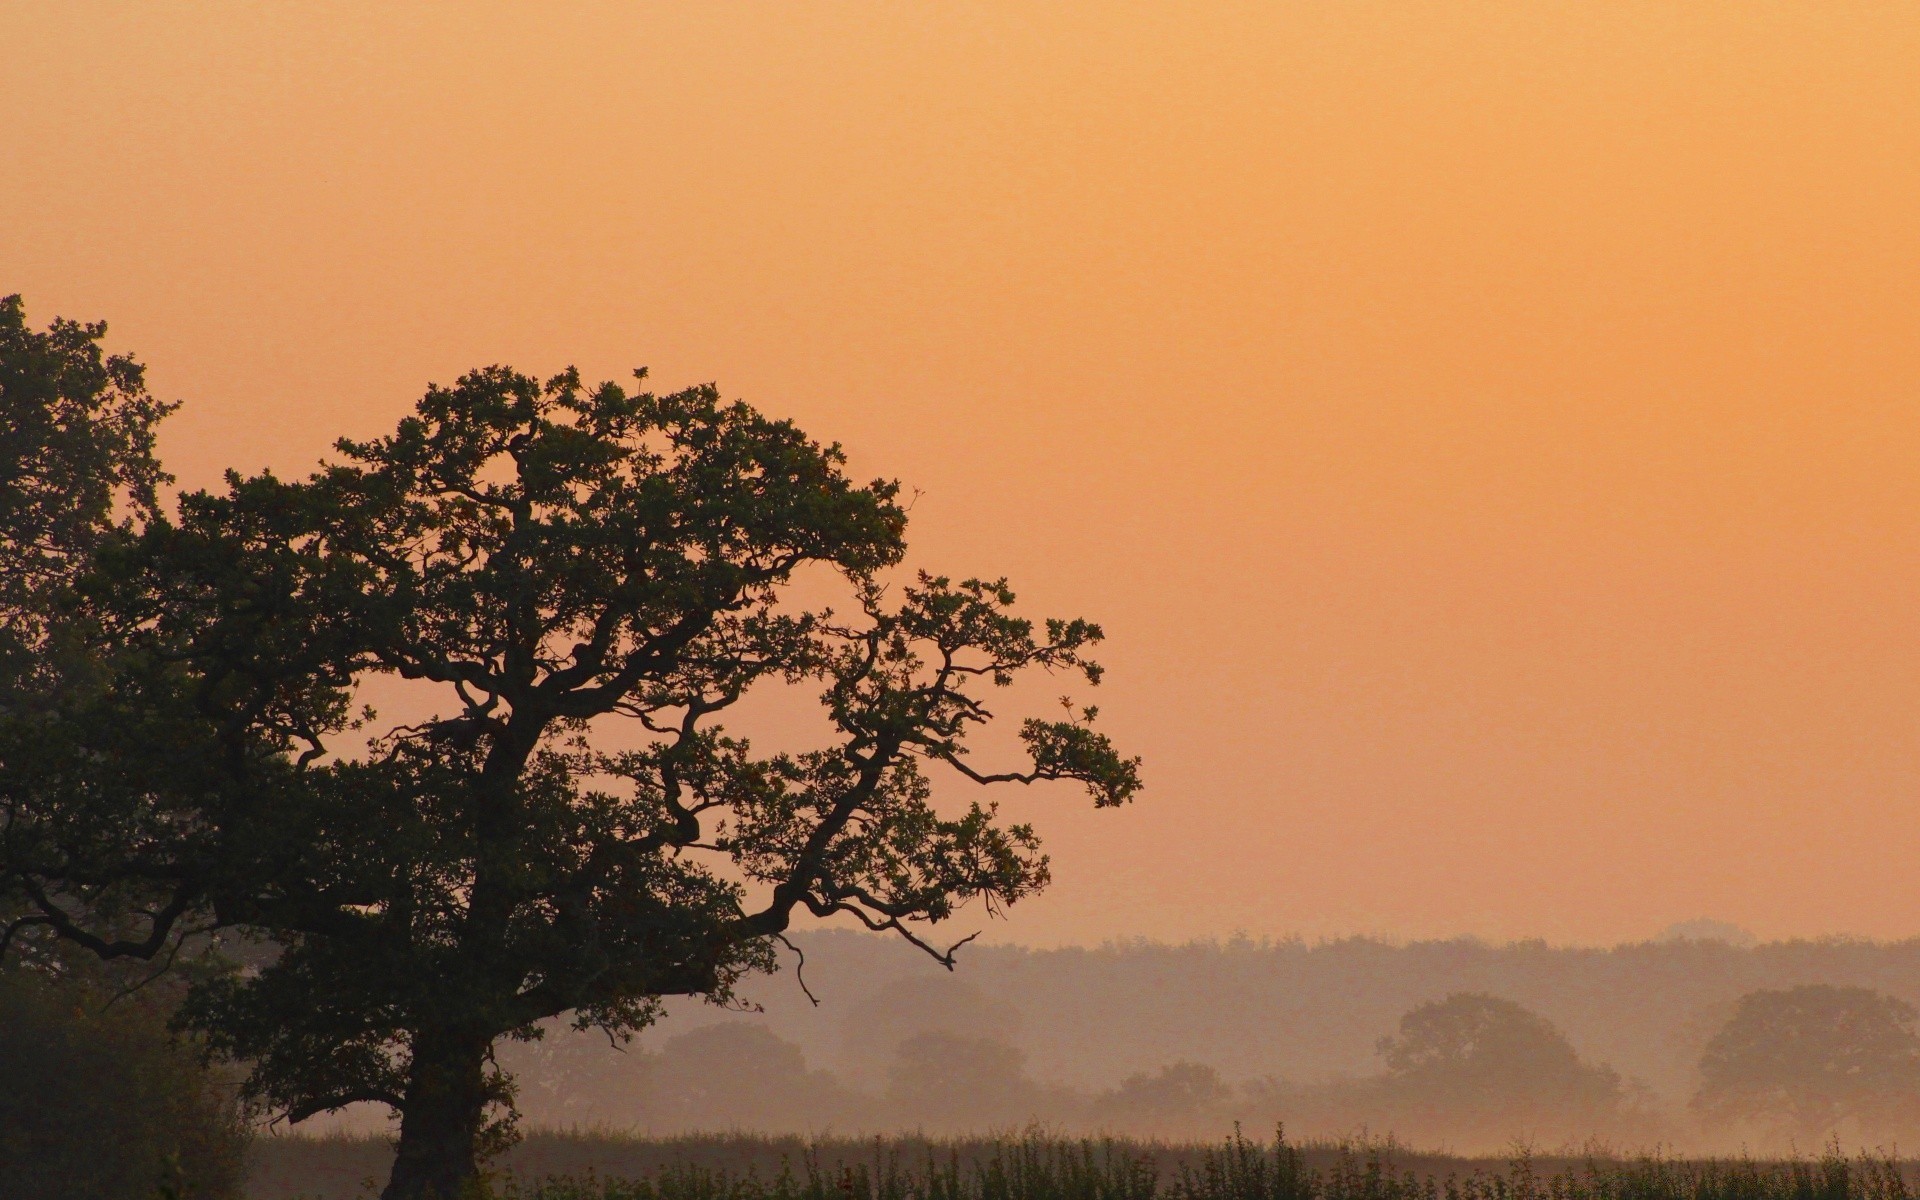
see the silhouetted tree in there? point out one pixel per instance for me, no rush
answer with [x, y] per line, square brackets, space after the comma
[76, 440]
[1812, 1059]
[97, 1097]
[1479, 1065]
[539, 563]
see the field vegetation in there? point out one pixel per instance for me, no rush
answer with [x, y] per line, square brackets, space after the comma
[1038, 1166]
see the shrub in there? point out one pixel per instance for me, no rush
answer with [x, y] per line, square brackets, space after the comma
[99, 1101]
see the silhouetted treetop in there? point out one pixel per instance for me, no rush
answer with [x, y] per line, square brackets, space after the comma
[1472, 1031]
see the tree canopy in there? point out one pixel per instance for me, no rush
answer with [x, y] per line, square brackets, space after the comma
[570, 586]
[97, 1096]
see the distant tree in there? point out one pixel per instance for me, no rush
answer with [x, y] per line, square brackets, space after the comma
[1481, 1066]
[946, 1083]
[538, 564]
[568, 1078]
[935, 1002]
[1179, 1098]
[1812, 1059]
[742, 1075]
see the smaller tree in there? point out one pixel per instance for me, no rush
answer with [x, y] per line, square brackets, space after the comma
[98, 1097]
[951, 1084]
[1182, 1098]
[743, 1075]
[76, 441]
[1813, 1061]
[568, 1078]
[933, 1002]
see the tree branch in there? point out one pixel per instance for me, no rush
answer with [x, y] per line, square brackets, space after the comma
[64, 925]
[338, 1100]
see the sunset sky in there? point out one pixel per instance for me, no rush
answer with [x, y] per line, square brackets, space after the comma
[1489, 433]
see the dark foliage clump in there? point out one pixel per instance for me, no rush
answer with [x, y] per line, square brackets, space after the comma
[101, 1101]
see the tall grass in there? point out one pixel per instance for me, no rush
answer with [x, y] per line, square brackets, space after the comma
[1038, 1167]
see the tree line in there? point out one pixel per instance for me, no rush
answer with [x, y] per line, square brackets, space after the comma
[1298, 1010]
[1789, 1068]
[99, 1098]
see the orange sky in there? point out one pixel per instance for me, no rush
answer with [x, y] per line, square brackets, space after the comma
[1487, 431]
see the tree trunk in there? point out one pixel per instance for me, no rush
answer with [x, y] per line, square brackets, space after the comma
[440, 1124]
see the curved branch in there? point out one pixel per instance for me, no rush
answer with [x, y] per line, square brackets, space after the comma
[56, 918]
[339, 1100]
[893, 924]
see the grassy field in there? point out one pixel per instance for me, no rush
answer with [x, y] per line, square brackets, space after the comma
[551, 1165]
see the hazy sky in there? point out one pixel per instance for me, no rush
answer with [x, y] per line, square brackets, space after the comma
[1488, 432]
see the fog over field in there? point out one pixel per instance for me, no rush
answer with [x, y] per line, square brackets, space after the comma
[1180, 1041]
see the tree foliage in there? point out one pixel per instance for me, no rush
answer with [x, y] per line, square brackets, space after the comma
[76, 443]
[97, 1096]
[576, 584]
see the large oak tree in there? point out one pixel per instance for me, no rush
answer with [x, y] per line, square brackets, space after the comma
[576, 585]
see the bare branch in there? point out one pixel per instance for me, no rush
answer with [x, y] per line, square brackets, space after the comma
[799, 967]
[893, 924]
